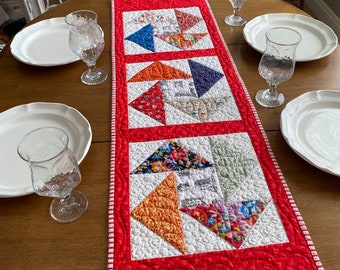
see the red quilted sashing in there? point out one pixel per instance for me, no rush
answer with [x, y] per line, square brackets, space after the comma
[169, 135]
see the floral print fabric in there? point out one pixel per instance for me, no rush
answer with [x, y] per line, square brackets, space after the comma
[172, 156]
[232, 221]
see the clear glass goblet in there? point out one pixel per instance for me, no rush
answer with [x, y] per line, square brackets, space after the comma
[236, 19]
[54, 172]
[86, 39]
[277, 64]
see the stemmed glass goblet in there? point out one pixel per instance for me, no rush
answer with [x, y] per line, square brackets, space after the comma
[54, 172]
[86, 39]
[277, 64]
[236, 19]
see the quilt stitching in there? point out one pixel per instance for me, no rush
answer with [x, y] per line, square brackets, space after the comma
[179, 91]
[165, 30]
[194, 184]
[197, 189]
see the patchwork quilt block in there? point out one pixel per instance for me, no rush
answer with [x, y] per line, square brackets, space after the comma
[203, 193]
[179, 91]
[194, 184]
[164, 30]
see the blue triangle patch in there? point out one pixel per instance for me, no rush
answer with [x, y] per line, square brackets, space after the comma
[143, 37]
[204, 77]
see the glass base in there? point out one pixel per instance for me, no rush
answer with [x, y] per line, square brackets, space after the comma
[235, 20]
[94, 77]
[65, 210]
[269, 100]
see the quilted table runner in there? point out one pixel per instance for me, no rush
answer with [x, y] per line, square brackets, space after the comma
[194, 184]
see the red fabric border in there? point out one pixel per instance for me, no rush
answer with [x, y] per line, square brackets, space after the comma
[297, 254]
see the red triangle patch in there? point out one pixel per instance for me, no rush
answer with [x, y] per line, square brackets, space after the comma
[186, 20]
[151, 103]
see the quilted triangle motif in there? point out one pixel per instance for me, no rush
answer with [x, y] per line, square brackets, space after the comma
[186, 20]
[235, 166]
[159, 71]
[172, 156]
[151, 103]
[181, 41]
[204, 77]
[230, 221]
[200, 109]
[143, 37]
[159, 212]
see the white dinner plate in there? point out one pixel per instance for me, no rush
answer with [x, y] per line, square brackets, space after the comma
[15, 123]
[318, 39]
[44, 43]
[311, 126]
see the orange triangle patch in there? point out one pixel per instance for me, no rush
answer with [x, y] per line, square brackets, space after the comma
[159, 71]
[181, 41]
[159, 212]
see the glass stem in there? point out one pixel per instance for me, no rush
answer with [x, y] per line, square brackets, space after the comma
[65, 199]
[92, 68]
[236, 12]
[68, 201]
[272, 89]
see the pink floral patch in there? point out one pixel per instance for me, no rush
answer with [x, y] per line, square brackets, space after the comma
[230, 221]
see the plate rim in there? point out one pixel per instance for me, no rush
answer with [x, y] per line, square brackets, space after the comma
[48, 107]
[297, 148]
[16, 44]
[249, 40]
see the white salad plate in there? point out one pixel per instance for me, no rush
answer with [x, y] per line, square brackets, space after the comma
[318, 39]
[311, 126]
[15, 123]
[44, 43]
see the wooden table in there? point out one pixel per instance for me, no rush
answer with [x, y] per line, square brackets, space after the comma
[30, 239]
